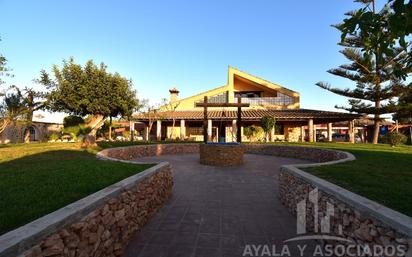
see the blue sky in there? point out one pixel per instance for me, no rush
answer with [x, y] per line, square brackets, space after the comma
[186, 44]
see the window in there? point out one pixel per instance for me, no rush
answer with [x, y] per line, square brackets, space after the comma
[279, 129]
[248, 94]
[219, 98]
[195, 131]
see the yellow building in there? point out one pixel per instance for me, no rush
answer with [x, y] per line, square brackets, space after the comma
[181, 119]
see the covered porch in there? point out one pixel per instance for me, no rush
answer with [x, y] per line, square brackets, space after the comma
[292, 125]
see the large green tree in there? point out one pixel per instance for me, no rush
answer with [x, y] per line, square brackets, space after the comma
[11, 108]
[400, 22]
[4, 70]
[404, 111]
[124, 101]
[89, 90]
[378, 63]
[19, 105]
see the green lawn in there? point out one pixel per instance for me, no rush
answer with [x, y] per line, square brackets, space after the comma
[39, 178]
[36, 179]
[380, 172]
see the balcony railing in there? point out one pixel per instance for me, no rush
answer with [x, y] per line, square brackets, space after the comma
[280, 100]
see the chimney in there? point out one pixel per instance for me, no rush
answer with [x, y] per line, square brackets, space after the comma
[173, 95]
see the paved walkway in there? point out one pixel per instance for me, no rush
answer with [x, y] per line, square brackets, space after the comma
[215, 211]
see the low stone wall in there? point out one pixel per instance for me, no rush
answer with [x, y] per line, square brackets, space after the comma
[314, 154]
[360, 220]
[300, 152]
[133, 152]
[99, 225]
[221, 155]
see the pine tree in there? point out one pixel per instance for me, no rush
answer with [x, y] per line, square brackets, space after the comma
[404, 112]
[375, 64]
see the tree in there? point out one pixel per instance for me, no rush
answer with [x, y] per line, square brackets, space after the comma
[4, 70]
[19, 105]
[400, 22]
[10, 103]
[72, 120]
[253, 132]
[32, 101]
[171, 106]
[151, 113]
[267, 123]
[90, 90]
[11, 108]
[377, 64]
[124, 100]
[404, 111]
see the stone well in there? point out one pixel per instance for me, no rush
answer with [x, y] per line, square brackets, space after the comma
[221, 154]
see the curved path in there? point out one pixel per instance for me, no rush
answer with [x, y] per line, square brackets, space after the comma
[215, 211]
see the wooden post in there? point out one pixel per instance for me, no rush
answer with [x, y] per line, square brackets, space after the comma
[239, 121]
[205, 137]
[239, 106]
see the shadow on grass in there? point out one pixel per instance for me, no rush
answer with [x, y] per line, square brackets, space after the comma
[37, 184]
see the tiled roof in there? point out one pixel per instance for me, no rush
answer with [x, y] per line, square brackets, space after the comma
[367, 121]
[257, 114]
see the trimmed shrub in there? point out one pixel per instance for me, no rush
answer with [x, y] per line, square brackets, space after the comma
[54, 137]
[267, 123]
[126, 134]
[394, 138]
[253, 133]
[76, 131]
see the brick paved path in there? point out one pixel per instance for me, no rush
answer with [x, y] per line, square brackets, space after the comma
[216, 211]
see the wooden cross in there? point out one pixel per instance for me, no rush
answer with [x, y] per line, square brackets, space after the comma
[239, 106]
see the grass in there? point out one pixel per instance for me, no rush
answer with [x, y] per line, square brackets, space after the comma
[39, 178]
[36, 179]
[380, 172]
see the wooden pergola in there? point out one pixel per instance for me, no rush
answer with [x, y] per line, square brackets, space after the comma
[239, 106]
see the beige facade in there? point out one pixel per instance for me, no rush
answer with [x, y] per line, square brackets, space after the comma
[265, 98]
[20, 132]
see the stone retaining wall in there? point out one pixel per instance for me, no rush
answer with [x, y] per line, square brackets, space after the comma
[355, 218]
[133, 152]
[221, 155]
[300, 152]
[314, 154]
[99, 225]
